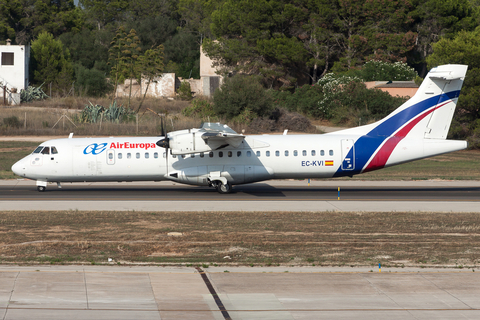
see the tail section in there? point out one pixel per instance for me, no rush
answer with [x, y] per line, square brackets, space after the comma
[411, 130]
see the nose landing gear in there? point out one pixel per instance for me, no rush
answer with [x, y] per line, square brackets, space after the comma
[41, 186]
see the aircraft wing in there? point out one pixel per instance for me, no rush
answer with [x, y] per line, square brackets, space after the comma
[211, 136]
[216, 140]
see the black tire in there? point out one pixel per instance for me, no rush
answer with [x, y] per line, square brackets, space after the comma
[41, 188]
[224, 188]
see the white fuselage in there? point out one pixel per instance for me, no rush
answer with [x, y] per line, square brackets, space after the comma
[258, 158]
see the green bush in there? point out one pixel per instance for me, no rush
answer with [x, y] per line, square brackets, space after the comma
[386, 71]
[91, 82]
[11, 122]
[185, 91]
[200, 108]
[240, 95]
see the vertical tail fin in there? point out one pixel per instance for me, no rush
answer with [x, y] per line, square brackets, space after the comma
[429, 112]
[423, 119]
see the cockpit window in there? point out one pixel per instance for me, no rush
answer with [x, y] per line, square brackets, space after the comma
[54, 150]
[38, 149]
[46, 150]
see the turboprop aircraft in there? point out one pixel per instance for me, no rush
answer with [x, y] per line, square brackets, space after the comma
[215, 155]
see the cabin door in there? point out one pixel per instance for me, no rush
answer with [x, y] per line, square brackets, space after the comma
[348, 154]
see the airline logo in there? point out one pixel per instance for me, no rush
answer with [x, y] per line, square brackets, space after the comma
[97, 148]
[128, 145]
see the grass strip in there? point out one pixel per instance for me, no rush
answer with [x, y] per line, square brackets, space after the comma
[241, 238]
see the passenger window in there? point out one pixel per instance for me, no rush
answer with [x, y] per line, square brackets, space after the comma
[120, 155]
[230, 154]
[286, 153]
[220, 154]
[313, 152]
[54, 150]
[110, 156]
[210, 154]
[164, 155]
[137, 155]
[249, 153]
[147, 155]
[330, 152]
[295, 153]
[239, 153]
[258, 153]
[277, 153]
[38, 149]
[155, 155]
[129, 155]
[322, 153]
[202, 154]
[304, 153]
[267, 153]
[46, 150]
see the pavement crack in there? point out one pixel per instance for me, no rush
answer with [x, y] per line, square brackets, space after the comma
[11, 295]
[86, 288]
[446, 291]
[386, 295]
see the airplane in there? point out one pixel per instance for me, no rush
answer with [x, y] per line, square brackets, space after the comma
[215, 155]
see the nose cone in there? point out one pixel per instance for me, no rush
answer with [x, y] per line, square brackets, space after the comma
[19, 168]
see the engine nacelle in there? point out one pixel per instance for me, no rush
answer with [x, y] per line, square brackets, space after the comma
[189, 142]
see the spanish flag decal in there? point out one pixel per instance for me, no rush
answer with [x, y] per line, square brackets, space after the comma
[328, 162]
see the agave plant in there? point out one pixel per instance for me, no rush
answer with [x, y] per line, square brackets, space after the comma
[93, 113]
[32, 93]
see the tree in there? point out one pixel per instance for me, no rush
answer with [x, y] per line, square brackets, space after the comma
[252, 37]
[86, 48]
[51, 62]
[104, 12]
[464, 48]
[24, 20]
[242, 95]
[436, 18]
[150, 65]
[123, 55]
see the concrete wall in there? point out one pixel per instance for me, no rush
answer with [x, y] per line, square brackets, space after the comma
[16, 75]
[163, 86]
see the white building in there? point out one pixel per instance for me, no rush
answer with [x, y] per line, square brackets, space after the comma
[14, 61]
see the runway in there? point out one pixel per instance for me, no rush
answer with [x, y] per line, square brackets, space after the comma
[435, 196]
[219, 293]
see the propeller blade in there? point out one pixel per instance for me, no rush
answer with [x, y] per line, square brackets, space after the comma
[163, 128]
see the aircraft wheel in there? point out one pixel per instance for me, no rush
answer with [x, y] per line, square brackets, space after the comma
[224, 188]
[41, 188]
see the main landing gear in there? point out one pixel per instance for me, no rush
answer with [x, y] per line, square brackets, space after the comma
[221, 184]
[224, 187]
[41, 188]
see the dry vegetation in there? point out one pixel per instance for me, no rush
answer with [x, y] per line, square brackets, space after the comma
[47, 118]
[282, 238]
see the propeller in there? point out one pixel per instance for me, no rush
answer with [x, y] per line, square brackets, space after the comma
[165, 142]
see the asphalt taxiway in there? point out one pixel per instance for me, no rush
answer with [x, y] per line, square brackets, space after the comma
[291, 195]
[118, 292]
